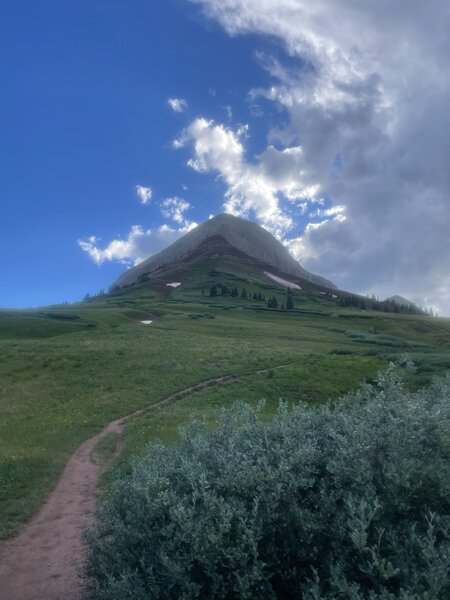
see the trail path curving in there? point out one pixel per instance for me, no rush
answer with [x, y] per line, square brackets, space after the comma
[43, 561]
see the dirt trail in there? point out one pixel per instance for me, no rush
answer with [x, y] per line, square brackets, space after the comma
[43, 561]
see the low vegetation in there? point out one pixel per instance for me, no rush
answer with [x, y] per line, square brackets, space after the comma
[347, 500]
[292, 383]
[66, 371]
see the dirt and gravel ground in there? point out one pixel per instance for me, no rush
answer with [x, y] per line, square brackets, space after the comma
[42, 562]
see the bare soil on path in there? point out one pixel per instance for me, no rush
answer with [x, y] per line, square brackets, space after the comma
[43, 562]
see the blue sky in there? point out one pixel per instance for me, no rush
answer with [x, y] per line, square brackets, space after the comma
[276, 115]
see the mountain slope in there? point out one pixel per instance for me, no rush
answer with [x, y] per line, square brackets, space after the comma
[223, 234]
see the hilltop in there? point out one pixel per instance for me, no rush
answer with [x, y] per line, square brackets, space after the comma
[400, 301]
[225, 236]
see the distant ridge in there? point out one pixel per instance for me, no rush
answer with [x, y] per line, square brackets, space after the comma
[400, 301]
[224, 233]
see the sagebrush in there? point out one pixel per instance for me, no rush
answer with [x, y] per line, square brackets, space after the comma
[348, 501]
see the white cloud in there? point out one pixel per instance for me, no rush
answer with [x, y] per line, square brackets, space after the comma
[139, 244]
[367, 97]
[144, 194]
[227, 108]
[177, 104]
[336, 212]
[251, 187]
[174, 208]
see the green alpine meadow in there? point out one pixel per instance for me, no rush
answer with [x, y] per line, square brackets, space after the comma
[225, 300]
[279, 438]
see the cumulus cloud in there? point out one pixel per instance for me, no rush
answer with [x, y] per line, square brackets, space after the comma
[252, 188]
[139, 244]
[366, 96]
[144, 194]
[177, 104]
[174, 208]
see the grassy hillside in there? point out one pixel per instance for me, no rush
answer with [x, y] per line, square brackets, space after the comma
[68, 370]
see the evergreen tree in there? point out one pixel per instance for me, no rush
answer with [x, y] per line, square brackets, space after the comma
[244, 294]
[289, 302]
[213, 291]
[273, 302]
[224, 291]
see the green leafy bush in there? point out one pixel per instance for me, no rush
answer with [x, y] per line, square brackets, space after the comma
[349, 501]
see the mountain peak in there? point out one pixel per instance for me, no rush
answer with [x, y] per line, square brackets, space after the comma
[227, 234]
[400, 301]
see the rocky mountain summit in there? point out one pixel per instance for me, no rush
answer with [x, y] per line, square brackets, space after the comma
[222, 235]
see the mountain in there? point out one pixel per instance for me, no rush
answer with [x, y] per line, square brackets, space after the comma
[225, 235]
[400, 301]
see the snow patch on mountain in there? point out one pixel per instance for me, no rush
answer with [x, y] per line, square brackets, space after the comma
[281, 281]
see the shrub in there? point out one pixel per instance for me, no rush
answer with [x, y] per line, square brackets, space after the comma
[62, 316]
[347, 501]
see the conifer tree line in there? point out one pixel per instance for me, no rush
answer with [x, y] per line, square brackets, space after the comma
[350, 300]
[223, 291]
[388, 306]
[360, 302]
